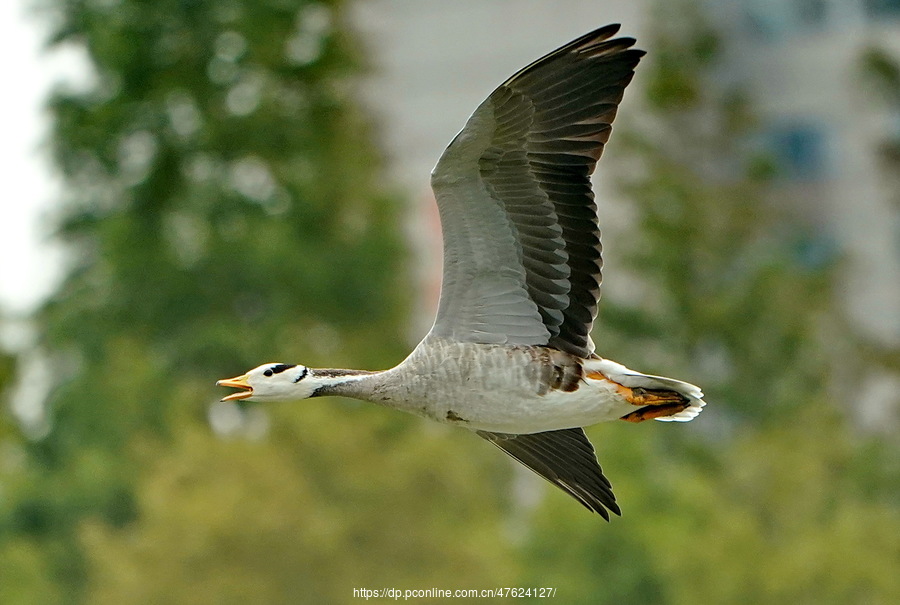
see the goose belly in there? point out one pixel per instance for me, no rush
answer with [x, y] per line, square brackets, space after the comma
[515, 411]
[501, 389]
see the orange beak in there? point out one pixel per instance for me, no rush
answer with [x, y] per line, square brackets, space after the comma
[239, 382]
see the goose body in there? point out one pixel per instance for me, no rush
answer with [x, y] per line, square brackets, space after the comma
[510, 354]
[509, 389]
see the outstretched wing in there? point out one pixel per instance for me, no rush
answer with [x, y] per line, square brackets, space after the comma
[521, 236]
[566, 459]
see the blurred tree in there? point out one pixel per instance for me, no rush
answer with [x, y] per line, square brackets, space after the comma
[222, 210]
[880, 71]
[770, 496]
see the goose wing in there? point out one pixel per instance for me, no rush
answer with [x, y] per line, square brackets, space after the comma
[566, 459]
[521, 236]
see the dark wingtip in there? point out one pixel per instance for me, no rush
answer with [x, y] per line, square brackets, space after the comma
[605, 31]
[598, 38]
[566, 459]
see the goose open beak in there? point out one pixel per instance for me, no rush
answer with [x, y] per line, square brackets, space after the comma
[239, 382]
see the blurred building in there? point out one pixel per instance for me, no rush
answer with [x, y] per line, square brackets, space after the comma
[833, 134]
[834, 129]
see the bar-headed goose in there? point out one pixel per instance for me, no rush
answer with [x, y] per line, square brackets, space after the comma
[510, 355]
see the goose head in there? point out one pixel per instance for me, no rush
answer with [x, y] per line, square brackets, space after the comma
[272, 382]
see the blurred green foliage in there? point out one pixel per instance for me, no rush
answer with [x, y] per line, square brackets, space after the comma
[880, 70]
[223, 208]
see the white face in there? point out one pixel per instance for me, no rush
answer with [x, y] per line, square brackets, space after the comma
[271, 382]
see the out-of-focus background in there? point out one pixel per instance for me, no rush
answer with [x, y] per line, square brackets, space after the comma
[215, 184]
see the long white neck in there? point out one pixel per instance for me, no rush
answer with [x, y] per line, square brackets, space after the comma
[359, 384]
[385, 387]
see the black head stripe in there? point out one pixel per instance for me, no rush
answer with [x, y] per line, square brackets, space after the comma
[302, 375]
[281, 367]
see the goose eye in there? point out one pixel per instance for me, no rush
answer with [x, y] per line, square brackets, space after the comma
[267, 373]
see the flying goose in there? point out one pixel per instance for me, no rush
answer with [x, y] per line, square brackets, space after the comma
[510, 355]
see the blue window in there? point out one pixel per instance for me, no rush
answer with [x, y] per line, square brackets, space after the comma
[815, 251]
[812, 13]
[773, 20]
[883, 8]
[800, 151]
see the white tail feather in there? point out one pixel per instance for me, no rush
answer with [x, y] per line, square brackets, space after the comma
[631, 379]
